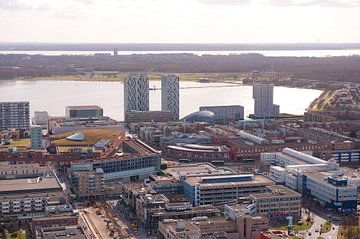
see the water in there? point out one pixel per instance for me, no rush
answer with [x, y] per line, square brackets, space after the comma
[297, 53]
[53, 96]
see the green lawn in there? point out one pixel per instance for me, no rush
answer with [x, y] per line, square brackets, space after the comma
[326, 227]
[299, 226]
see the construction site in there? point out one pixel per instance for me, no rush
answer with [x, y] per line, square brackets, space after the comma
[100, 222]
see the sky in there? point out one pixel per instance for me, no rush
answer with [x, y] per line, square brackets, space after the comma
[180, 21]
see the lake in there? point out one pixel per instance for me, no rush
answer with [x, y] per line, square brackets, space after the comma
[297, 53]
[53, 96]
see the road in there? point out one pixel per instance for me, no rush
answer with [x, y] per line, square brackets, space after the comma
[319, 219]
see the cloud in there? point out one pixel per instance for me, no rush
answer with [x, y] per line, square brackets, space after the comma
[226, 2]
[21, 5]
[321, 3]
[287, 3]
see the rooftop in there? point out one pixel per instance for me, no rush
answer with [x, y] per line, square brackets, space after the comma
[277, 191]
[84, 107]
[323, 177]
[91, 137]
[196, 170]
[257, 179]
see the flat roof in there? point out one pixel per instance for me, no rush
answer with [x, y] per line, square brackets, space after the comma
[83, 107]
[276, 191]
[257, 179]
[28, 185]
[322, 177]
[197, 170]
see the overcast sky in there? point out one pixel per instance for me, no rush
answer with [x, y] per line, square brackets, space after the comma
[180, 21]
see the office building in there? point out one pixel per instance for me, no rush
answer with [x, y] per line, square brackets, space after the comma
[83, 111]
[264, 107]
[322, 180]
[136, 93]
[278, 202]
[170, 95]
[36, 137]
[14, 115]
[223, 189]
[225, 113]
[332, 192]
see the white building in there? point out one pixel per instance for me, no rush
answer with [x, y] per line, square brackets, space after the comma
[36, 137]
[40, 118]
[170, 95]
[226, 113]
[264, 106]
[136, 93]
[322, 180]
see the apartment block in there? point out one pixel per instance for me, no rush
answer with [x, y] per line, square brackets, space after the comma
[36, 137]
[264, 107]
[170, 95]
[88, 184]
[136, 93]
[14, 115]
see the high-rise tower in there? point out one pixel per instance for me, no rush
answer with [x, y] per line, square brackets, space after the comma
[264, 106]
[136, 93]
[170, 95]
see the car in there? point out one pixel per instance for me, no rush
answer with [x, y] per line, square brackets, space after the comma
[317, 230]
[309, 234]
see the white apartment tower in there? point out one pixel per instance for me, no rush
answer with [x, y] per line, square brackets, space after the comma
[170, 95]
[136, 93]
[264, 106]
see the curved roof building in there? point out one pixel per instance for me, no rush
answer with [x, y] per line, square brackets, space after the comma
[201, 116]
[76, 137]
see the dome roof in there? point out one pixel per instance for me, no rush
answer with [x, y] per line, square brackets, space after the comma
[200, 116]
[76, 137]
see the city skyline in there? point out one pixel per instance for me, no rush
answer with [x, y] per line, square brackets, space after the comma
[188, 21]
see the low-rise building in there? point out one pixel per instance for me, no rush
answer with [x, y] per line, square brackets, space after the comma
[176, 211]
[83, 111]
[88, 184]
[134, 161]
[223, 189]
[225, 113]
[278, 202]
[197, 153]
[29, 197]
[245, 227]
[147, 116]
[332, 192]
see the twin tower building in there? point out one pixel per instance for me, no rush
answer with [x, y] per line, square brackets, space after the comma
[136, 93]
